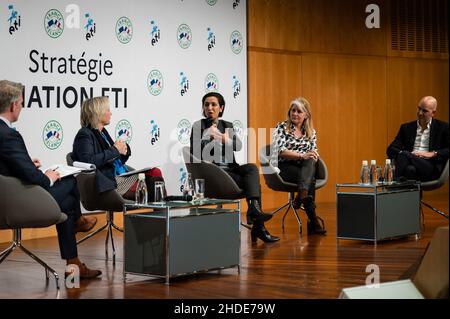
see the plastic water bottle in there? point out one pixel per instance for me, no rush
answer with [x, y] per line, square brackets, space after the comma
[141, 190]
[364, 175]
[373, 173]
[388, 172]
[188, 187]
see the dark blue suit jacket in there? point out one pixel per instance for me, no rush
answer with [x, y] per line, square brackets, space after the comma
[15, 160]
[439, 139]
[90, 147]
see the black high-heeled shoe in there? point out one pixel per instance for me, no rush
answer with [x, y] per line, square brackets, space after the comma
[262, 233]
[316, 226]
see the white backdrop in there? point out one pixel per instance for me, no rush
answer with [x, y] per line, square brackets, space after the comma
[155, 59]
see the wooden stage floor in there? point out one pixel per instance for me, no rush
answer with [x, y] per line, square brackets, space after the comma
[312, 267]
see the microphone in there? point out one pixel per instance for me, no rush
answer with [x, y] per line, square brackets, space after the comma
[186, 198]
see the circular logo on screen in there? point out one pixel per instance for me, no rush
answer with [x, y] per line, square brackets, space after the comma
[211, 2]
[54, 23]
[52, 135]
[211, 83]
[155, 82]
[184, 131]
[184, 36]
[124, 131]
[236, 42]
[124, 30]
[238, 129]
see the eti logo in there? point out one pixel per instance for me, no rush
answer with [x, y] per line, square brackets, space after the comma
[14, 19]
[124, 30]
[184, 131]
[155, 132]
[236, 3]
[155, 82]
[236, 42]
[124, 131]
[236, 86]
[238, 129]
[211, 83]
[211, 39]
[184, 84]
[155, 34]
[184, 36]
[89, 27]
[52, 135]
[183, 176]
[54, 23]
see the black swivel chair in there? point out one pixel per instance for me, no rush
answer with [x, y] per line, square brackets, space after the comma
[435, 184]
[110, 202]
[274, 181]
[218, 183]
[27, 206]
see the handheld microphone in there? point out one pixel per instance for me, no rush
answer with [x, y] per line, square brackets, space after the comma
[186, 198]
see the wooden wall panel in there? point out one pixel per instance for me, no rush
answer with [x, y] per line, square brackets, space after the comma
[273, 79]
[348, 97]
[408, 81]
[332, 26]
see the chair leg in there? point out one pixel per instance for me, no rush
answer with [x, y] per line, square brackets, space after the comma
[7, 251]
[289, 205]
[434, 209]
[16, 242]
[43, 264]
[92, 234]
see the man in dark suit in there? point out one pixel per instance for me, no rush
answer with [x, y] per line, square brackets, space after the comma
[421, 147]
[15, 161]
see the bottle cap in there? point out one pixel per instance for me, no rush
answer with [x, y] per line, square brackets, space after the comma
[388, 161]
[373, 162]
[141, 176]
[365, 163]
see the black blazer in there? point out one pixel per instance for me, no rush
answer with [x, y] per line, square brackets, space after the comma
[198, 145]
[90, 147]
[439, 136]
[15, 160]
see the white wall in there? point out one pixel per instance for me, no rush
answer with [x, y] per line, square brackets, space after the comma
[129, 67]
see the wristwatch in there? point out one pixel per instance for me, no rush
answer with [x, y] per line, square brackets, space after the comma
[435, 153]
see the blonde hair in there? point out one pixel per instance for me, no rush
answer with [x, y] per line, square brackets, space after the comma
[305, 107]
[9, 93]
[92, 110]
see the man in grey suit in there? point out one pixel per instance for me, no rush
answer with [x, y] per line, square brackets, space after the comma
[15, 161]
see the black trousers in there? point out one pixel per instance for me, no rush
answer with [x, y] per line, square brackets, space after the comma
[66, 194]
[301, 173]
[412, 167]
[246, 177]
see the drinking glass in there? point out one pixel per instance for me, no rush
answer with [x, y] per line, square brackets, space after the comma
[199, 188]
[159, 192]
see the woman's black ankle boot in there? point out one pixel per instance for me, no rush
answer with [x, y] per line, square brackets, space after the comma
[316, 226]
[254, 213]
[259, 231]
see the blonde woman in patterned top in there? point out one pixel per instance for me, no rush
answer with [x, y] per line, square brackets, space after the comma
[295, 153]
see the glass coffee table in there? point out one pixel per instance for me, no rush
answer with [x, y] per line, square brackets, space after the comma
[178, 238]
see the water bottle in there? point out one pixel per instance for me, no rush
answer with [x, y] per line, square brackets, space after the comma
[141, 190]
[373, 173]
[364, 175]
[188, 187]
[388, 172]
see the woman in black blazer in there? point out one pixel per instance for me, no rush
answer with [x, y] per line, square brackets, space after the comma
[209, 134]
[93, 144]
